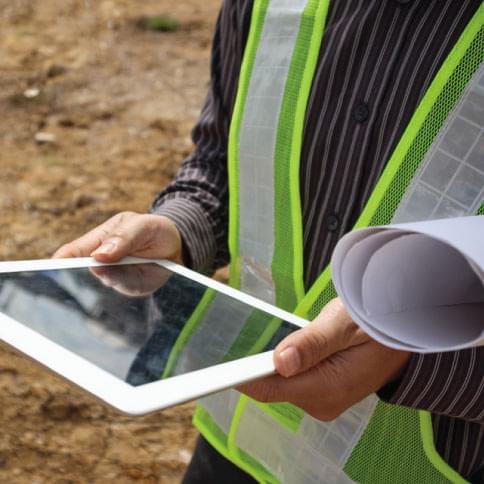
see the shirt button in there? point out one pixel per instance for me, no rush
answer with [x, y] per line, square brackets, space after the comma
[361, 112]
[332, 223]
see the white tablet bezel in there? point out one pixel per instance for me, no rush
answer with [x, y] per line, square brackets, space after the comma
[149, 397]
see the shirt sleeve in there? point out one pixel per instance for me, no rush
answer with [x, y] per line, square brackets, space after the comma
[197, 199]
[450, 384]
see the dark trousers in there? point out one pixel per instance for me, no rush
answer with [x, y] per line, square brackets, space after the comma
[209, 467]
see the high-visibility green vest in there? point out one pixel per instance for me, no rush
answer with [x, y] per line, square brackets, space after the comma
[372, 442]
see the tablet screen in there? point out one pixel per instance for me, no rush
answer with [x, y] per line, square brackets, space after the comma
[139, 322]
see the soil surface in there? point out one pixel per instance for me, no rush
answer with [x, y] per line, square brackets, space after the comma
[96, 117]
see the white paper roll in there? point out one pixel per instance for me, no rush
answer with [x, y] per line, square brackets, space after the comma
[416, 286]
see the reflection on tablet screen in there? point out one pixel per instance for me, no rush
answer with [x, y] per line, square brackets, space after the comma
[139, 322]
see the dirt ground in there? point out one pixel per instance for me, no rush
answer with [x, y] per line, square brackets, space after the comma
[95, 118]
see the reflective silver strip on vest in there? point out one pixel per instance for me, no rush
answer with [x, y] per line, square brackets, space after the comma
[450, 180]
[212, 339]
[257, 144]
[221, 407]
[315, 453]
[215, 334]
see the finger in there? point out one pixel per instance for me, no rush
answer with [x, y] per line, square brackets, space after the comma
[312, 391]
[85, 245]
[332, 331]
[268, 389]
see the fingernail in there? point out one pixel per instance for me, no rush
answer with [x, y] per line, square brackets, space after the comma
[106, 248]
[290, 361]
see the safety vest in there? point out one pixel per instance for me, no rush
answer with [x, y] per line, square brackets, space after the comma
[436, 171]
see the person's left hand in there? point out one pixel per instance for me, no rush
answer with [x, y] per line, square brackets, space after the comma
[328, 366]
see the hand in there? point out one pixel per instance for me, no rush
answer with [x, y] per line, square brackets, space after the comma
[328, 366]
[128, 233]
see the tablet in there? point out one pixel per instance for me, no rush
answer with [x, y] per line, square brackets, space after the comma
[141, 335]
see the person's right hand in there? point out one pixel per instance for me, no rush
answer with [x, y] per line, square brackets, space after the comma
[128, 233]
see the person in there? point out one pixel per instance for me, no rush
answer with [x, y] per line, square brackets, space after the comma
[320, 116]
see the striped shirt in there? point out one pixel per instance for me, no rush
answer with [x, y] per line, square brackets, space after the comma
[376, 61]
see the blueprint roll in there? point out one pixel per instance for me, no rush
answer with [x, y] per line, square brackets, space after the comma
[417, 286]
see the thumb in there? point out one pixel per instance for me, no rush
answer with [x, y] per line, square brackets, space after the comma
[332, 331]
